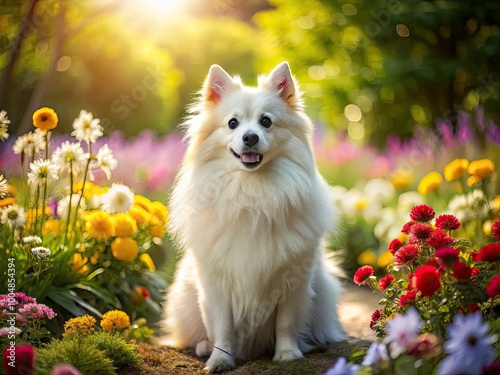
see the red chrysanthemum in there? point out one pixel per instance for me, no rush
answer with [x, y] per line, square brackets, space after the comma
[495, 229]
[421, 231]
[493, 288]
[475, 272]
[489, 253]
[461, 271]
[432, 262]
[394, 246]
[406, 228]
[439, 239]
[471, 307]
[422, 213]
[385, 281]
[406, 256]
[376, 316]
[407, 298]
[427, 280]
[409, 287]
[362, 275]
[447, 254]
[447, 222]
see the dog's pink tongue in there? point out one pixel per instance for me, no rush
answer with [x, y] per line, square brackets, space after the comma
[250, 157]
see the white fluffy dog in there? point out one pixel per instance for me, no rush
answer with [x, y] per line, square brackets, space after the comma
[249, 210]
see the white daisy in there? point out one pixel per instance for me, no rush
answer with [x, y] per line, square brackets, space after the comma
[13, 216]
[42, 171]
[119, 198]
[4, 187]
[105, 161]
[63, 206]
[29, 143]
[70, 155]
[4, 122]
[87, 128]
[41, 252]
[32, 240]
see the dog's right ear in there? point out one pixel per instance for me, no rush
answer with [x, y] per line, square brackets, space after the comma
[217, 82]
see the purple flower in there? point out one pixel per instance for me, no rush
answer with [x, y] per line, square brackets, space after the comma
[402, 332]
[464, 129]
[377, 353]
[342, 368]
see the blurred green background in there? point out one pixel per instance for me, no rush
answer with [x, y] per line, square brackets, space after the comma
[369, 68]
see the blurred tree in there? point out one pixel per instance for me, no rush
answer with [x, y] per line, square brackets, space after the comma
[375, 67]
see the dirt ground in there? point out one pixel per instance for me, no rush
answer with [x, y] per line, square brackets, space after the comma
[355, 309]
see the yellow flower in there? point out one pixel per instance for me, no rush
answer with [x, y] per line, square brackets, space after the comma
[125, 225]
[367, 257]
[7, 201]
[362, 203]
[80, 264]
[115, 319]
[140, 215]
[429, 183]
[95, 258]
[481, 168]
[156, 227]
[52, 227]
[144, 202]
[472, 180]
[146, 259]
[455, 169]
[124, 249]
[385, 259]
[401, 180]
[45, 119]
[88, 191]
[496, 203]
[159, 210]
[99, 225]
[81, 325]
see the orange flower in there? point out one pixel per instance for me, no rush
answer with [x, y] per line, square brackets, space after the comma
[45, 119]
[124, 249]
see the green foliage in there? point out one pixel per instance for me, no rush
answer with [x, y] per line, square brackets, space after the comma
[78, 352]
[116, 348]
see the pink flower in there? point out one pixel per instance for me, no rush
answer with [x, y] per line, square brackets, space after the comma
[447, 222]
[362, 275]
[24, 355]
[386, 281]
[406, 256]
[422, 213]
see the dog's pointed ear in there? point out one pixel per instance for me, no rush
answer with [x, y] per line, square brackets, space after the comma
[217, 82]
[280, 79]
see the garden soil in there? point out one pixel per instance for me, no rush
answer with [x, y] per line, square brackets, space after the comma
[355, 309]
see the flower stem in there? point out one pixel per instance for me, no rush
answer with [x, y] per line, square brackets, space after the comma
[85, 173]
[69, 204]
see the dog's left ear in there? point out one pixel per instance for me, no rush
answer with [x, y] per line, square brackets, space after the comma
[280, 79]
[216, 84]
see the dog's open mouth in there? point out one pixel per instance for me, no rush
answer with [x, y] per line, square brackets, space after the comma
[248, 159]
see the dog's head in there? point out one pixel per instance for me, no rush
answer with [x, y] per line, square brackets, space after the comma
[251, 126]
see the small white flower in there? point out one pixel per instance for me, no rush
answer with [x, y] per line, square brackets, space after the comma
[5, 331]
[42, 171]
[70, 156]
[41, 252]
[4, 122]
[13, 216]
[4, 187]
[30, 143]
[379, 190]
[63, 206]
[119, 198]
[32, 240]
[86, 127]
[105, 161]
[402, 331]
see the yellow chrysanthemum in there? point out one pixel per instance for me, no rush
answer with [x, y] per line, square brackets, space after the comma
[125, 225]
[160, 210]
[140, 215]
[472, 180]
[367, 257]
[481, 168]
[146, 259]
[455, 169]
[429, 183]
[401, 180]
[496, 203]
[99, 225]
[156, 227]
[124, 249]
[53, 227]
[79, 264]
[7, 201]
[142, 201]
[88, 192]
[115, 319]
[385, 259]
[81, 325]
[45, 119]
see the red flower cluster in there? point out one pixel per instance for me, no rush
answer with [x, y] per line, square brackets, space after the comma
[489, 253]
[427, 280]
[407, 298]
[495, 229]
[394, 246]
[447, 222]
[386, 281]
[362, 275]
[461, 271]
[422, 213]
[493, 288]
[406, 256]
[439, 239]
[421, 231]
[447, 254]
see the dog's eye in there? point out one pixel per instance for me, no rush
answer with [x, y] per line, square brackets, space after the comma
[265, 121]
[233, 123]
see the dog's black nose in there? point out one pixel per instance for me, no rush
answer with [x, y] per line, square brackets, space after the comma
[250, 139]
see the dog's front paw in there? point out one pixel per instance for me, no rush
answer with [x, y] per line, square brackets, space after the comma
[219, 362]
[287, 355]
